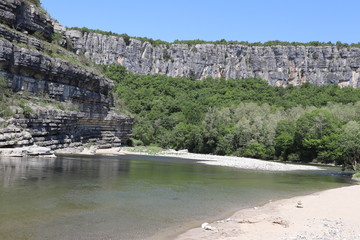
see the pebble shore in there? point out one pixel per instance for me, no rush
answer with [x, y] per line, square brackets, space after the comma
[238, 162]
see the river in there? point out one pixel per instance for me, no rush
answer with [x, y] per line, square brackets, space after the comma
[133, 197]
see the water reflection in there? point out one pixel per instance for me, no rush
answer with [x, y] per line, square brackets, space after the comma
[14, 169]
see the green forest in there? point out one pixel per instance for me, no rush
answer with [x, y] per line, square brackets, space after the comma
[246, 117]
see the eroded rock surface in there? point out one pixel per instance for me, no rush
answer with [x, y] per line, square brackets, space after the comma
[279, 65]
[32, 65]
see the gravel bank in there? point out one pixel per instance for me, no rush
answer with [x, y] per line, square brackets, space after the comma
[239, 162]
[235, 162]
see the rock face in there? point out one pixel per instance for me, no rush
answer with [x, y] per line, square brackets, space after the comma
[26, 18]
[56, 129]
[33, 71]
[28, 66]
[279, 65]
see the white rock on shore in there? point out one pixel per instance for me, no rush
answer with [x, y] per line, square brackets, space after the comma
[26, 151]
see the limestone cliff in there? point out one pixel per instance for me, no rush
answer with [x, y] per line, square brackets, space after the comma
[25, 17]
[48, 73]
[279, 65]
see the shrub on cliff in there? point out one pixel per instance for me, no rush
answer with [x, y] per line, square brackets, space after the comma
[114, 72]
[37, 3]
[5, 94]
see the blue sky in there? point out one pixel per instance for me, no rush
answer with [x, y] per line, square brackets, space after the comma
[250, 20]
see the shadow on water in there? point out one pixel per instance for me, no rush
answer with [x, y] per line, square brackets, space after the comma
[133, 197]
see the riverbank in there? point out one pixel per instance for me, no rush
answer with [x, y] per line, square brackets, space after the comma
[239, 162]
[227, 161]
[331, 214]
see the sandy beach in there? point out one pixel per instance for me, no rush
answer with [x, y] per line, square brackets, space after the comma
[331, 214]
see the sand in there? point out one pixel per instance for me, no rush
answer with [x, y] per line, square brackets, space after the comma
[331, 214]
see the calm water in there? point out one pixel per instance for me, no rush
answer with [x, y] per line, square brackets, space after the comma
[132, 197]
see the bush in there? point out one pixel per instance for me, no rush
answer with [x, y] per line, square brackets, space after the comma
[315, 56]
[115, 72]
[55, 37]
[37, 3]
[4, 88]
[126, 39]
[5, 111]
[27, 111]
[39, 35]
[256, 150]
[89, 144]
[132, 142]
[293, 157]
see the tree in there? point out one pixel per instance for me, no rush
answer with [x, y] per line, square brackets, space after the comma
[315, 133]
[114, 72]
[225, 145]
[284, 140]
[143, 130]
[182, 137]
[349, 143]
[256, 150]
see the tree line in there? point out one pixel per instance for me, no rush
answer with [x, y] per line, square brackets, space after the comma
[158, 42]
[245, 117]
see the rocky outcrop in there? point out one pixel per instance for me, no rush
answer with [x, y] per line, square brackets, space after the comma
[52, 75]
[25, 17]
[56, 129]
[279, 65]
[33, 71]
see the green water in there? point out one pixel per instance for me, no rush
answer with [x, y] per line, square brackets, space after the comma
[132, 197]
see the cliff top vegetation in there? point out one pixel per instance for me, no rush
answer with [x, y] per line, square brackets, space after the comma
[222, 41]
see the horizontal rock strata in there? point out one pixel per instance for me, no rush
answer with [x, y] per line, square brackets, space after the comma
[62, 129]
[32, 65]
